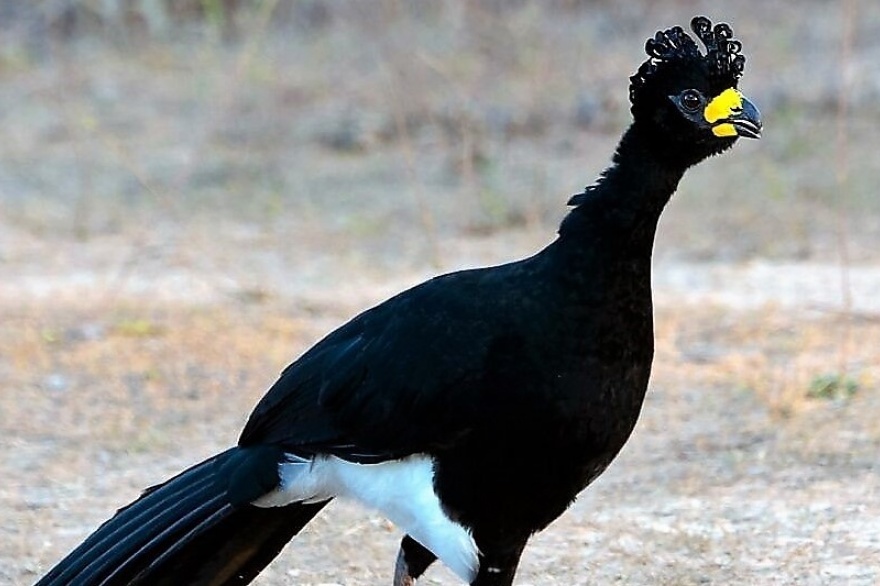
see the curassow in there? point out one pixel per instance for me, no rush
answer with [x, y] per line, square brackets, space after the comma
[469, 410]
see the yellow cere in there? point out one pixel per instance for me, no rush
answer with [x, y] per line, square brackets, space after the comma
[724, 105]
[725, 129]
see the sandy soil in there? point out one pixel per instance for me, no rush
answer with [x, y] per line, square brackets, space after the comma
[179, 220]
[734, 475]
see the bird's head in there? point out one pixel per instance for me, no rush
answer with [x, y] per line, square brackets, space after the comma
[688, 102]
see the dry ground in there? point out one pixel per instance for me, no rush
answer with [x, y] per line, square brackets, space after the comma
[734, 474]
[179, 220]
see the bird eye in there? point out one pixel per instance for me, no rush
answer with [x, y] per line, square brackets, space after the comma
[691, 100]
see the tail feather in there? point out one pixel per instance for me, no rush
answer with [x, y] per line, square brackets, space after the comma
[188, 530]
[133, 524]
[120, 562]
[234, 551]
[164, 558]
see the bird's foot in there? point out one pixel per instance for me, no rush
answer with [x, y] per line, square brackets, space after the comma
[402, 576]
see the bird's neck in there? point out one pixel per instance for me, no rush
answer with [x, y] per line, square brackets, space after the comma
[624, 205]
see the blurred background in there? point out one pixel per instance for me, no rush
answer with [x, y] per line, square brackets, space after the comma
[194, 191]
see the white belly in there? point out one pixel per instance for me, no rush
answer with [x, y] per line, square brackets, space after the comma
[402, 490]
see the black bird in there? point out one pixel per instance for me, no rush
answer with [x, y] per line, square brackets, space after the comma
[471, 409]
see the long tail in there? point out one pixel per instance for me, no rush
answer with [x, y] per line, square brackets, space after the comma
[196, 529]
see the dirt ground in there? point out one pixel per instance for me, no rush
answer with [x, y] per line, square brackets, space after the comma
[734, 474]
[179, 220]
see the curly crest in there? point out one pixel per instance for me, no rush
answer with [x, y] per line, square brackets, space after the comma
[723, 59]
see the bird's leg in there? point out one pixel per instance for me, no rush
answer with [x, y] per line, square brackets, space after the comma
[412, 561]
[499, 567]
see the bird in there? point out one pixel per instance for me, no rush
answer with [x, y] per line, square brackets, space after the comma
[469, 410]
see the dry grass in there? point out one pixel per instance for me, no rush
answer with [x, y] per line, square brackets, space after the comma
[783, 357]
[179, 219]
[457, 119]
[731, 452]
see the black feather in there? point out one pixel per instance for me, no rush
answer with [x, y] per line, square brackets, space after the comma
[520, 382]
[194, 529]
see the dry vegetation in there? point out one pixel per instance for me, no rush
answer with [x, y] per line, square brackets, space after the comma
[189, 200]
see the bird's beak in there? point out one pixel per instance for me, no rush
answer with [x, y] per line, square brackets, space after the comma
[747, 121]
[731, 114]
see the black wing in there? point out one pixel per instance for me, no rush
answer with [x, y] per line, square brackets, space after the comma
[409, 375]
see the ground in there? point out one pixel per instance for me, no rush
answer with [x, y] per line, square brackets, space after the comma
[179, 220]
